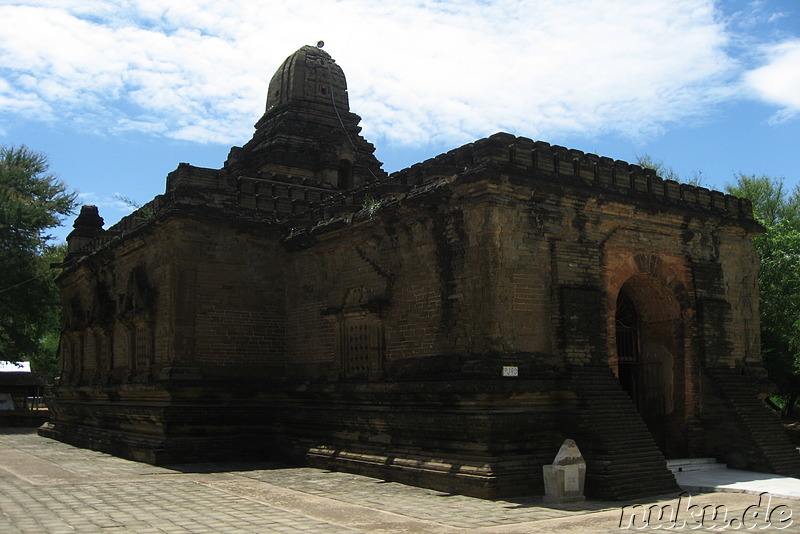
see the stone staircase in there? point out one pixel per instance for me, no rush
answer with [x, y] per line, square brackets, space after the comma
[682, 465]
[623, 461]
[772, 451]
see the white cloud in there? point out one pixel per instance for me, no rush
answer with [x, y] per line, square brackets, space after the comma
[417, 71]
[778, 82]
[118, 204]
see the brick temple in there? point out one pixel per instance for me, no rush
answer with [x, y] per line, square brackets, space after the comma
[447, 325]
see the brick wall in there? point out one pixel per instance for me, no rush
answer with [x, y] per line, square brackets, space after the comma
[233, 312]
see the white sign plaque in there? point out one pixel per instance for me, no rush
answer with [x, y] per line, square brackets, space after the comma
[571, 480]
[510, 370]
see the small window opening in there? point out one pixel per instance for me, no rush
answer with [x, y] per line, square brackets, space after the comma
[345, 180]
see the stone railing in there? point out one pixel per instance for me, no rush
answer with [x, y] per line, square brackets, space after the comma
[135, 219]
[287, 197]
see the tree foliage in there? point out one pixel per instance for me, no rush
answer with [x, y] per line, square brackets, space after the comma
[32, 201]
[666, 172]
[779, 278]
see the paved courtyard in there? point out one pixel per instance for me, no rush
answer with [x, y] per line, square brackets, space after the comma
[49, 487]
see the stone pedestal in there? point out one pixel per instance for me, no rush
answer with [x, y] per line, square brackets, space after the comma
[565, 478]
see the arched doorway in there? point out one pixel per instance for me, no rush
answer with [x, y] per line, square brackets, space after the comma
[648, 350]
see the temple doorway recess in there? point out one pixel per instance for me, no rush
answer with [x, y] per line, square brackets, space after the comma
[649, 355]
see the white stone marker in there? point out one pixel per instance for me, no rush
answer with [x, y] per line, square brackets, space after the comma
[564, 479]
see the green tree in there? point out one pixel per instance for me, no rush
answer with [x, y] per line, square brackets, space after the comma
[45, 358]
[32, 201]
[779, 279]
[668, 173]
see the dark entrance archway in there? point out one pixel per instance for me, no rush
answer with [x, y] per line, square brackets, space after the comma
[628, 351]
[649, 354]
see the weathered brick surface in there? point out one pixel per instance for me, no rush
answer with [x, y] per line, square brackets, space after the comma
[285, 306]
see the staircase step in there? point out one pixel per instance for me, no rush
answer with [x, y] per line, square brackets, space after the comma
[624, 461]
[680, 465]
[764, 427]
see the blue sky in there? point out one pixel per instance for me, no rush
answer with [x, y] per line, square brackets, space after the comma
[118, 92]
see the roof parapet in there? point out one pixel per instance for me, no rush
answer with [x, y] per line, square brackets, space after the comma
[543, 160]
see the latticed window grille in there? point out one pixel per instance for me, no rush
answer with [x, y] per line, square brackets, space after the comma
[361, 347]
[143, 346]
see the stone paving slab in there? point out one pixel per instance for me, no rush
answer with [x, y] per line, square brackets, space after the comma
[50, 487]
[450, 509]
[723, 479]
